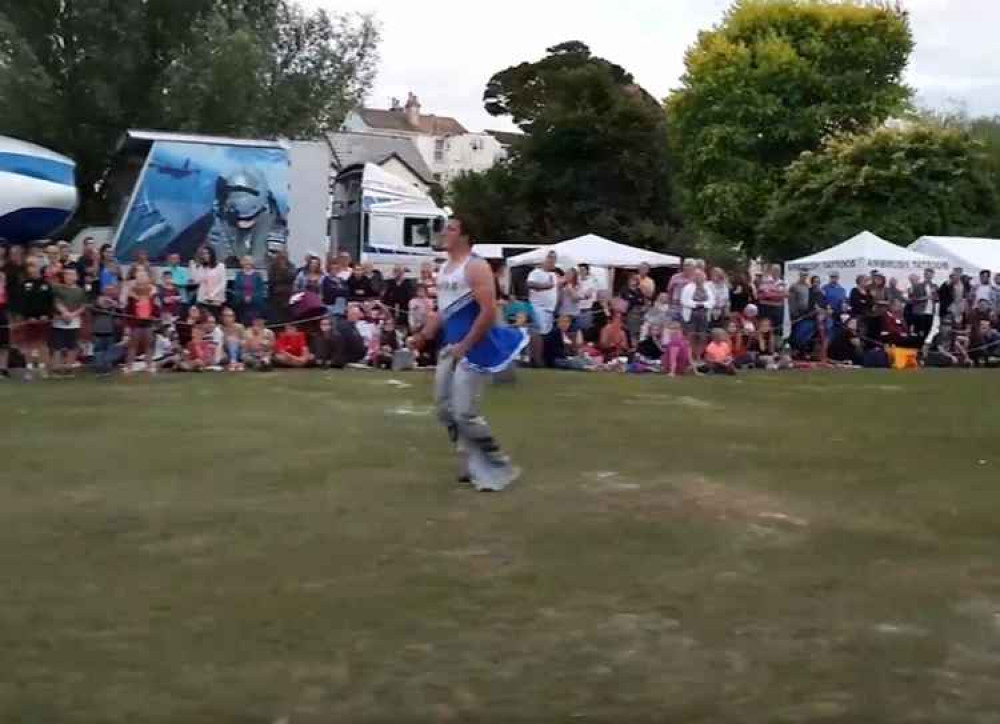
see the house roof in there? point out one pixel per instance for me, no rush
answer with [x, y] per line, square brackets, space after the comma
[506, 138]
[431, 125]
[360, 148]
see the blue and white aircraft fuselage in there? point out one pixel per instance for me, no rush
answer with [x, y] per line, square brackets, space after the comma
[38, 192]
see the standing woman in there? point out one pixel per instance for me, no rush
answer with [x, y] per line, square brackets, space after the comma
[569, 298]
[697, 301]
[108, 273]
[741, 294]
[880, 306]
[280, 283]
[249, 294]
[209, 274]
[310, 279]
[720, 292]
[635, 308]
[860, 300]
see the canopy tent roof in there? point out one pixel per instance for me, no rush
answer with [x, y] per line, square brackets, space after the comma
[862, 254]
[972, 255]
[596, 251]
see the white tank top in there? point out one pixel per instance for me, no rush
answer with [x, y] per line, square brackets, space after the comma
[452, 284]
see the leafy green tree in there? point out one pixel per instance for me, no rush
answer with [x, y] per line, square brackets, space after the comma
[899, 183]
[74, 74]
[298, 76]
[772, 81]
[594, 157]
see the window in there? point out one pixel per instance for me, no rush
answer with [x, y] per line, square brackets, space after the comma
[439, 149]
[417, 232]
[477, 144]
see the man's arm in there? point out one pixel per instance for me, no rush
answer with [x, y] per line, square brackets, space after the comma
[480, 279]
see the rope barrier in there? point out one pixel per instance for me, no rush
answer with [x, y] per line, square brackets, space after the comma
[396, 310]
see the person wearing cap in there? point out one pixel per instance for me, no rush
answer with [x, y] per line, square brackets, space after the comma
[834, 295]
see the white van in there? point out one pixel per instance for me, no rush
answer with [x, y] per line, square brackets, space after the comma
[380, 220]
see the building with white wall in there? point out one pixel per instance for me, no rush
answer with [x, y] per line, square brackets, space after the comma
[445, 145]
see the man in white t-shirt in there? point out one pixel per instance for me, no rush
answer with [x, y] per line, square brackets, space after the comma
[543, 293]
[983, 292]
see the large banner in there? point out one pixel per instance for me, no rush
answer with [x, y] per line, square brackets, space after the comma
[232, 197]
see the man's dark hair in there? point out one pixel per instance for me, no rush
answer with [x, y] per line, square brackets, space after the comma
[466, 225]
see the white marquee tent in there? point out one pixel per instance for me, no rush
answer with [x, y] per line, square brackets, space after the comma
[863, 254]
[596, 251]
[972, 255]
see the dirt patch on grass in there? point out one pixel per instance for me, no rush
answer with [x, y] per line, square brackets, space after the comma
[683, 496]
[692, 403]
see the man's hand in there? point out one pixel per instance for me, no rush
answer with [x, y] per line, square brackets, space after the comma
[459, 351]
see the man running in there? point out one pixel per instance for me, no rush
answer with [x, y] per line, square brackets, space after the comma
[472, 349]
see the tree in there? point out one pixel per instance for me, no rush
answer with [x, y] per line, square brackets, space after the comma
[296, 77]
[899, 183]
[594, 156]
[75, 74]
[773, 80]
[983, 129]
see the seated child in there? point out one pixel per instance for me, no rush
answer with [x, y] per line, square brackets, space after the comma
[846, 347]
[165, 348]
[614, 340]
[719, 354]
[389, 343]
[948, 349]
[211, 334]
[197, 353]
[738, 339]
[290, 349]
[562, 347]
[985, 343]
[258, 346]
[232, 337]
[323, 344]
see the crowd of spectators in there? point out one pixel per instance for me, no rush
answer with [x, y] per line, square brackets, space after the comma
[60, 312]
[704, 321]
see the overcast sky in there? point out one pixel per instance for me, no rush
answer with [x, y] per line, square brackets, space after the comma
[445, 50]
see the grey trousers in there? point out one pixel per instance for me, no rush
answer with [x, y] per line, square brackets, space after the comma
[457, 393]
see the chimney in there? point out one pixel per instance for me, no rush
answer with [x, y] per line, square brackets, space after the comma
[394, 104]
[413, 110]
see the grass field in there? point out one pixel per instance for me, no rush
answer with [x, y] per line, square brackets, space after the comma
[773, 548]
